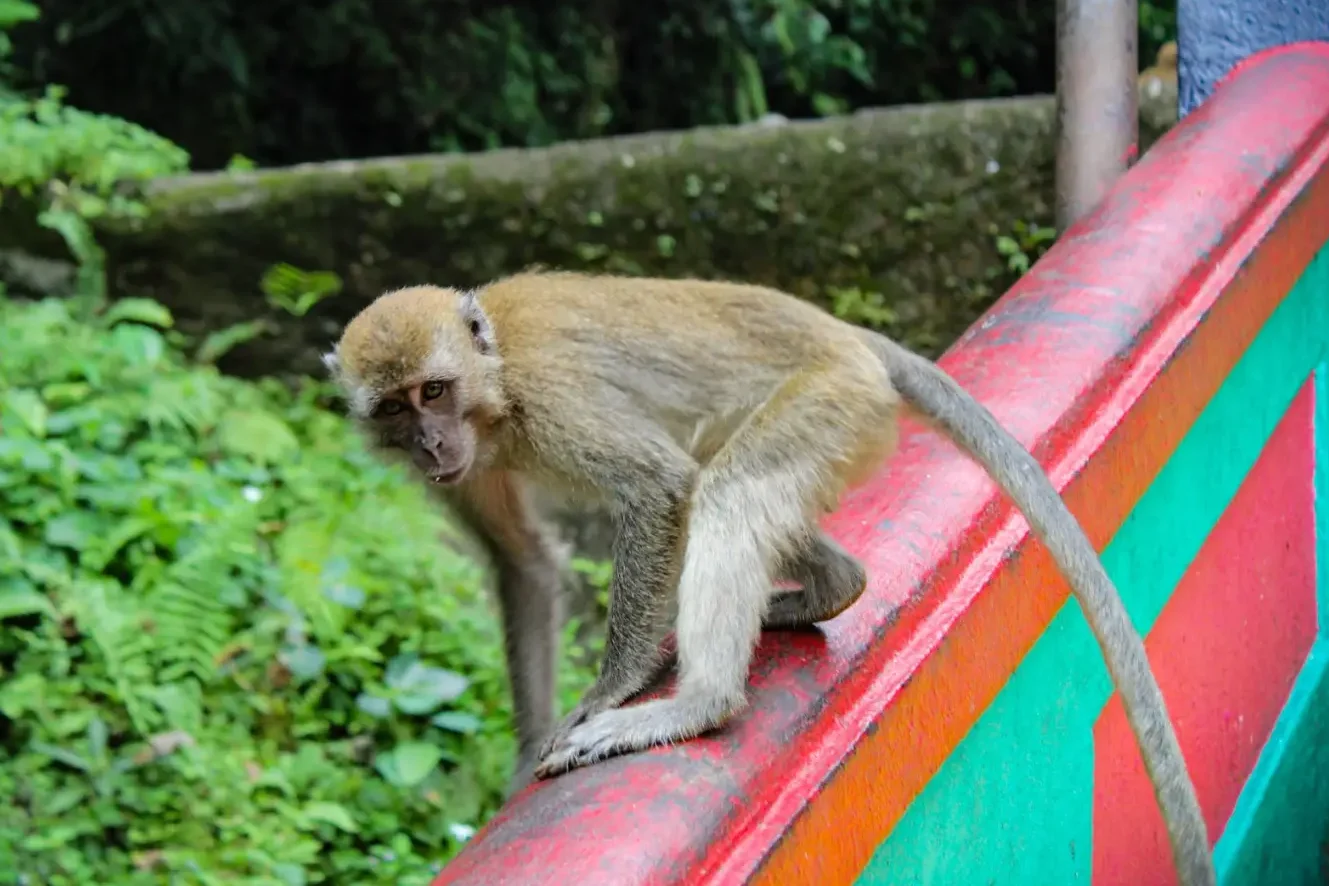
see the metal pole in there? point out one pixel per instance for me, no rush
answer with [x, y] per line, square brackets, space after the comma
[1097, 100]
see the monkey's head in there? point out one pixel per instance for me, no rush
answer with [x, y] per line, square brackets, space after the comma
[1167, 55]
[420, 368]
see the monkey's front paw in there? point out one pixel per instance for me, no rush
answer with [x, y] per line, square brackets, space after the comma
[599, 737]
[575, 718]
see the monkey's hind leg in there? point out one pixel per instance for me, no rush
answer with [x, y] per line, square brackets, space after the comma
[832, 581]
[753, 505]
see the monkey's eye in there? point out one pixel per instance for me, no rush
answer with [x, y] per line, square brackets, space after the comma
[431, 390]
[391, 407]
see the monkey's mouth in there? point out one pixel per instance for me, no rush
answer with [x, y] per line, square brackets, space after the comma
[447, 478]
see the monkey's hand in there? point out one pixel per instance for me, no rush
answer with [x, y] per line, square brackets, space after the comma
[607, 694]
[578, 715]
[625, 730]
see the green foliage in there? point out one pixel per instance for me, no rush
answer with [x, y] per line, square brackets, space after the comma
[12, 12]
[1024, 245]
[235, 645]
[73, 165]
[1158, 25]
[46, 141]
[295, 291]
[864, 308]
[353, 78]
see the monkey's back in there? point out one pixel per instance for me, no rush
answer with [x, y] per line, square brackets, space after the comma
[753, 325]
[735, 345]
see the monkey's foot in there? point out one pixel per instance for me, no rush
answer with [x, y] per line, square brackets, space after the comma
[625, 730]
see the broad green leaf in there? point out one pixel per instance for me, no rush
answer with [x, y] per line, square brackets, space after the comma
[104, 549]
[26, 406]
[296, 291]
[289, 874]
[60, 755]
[97, 736]
[77, 530]
[22, 693]
[345, 595]
[13, 603]
[78, 237]
[337, 588]
[421, 688]
[304, 662]
[33, 456]
[456, 721]
[13, 12]
[373, 705]
[260, 436]
[63, 394]
[415, 704]
[411, 761]
[217, 344]
[63, 801]
[332, 813]
[16, 601]
[139, 310]
[139, 345]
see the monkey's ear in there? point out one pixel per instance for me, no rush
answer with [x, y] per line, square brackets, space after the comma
[332, 362]
[482, 332]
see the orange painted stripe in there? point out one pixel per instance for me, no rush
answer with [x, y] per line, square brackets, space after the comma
[856, 809]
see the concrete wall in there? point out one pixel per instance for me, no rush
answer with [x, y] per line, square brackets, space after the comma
[891, 216]
[1213, 35]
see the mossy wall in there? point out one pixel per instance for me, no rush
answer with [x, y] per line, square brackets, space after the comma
[902, 204]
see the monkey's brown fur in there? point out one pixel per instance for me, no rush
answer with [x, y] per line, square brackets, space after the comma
[718, 422]
[1163, 71]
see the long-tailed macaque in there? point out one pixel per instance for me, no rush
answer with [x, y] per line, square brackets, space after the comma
[718, 422]
[1163, 70]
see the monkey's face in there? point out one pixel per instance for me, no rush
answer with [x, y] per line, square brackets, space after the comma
[421, 371]
[428, 423]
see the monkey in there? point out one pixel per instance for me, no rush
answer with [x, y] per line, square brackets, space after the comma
[1163, 71]
[718, 422]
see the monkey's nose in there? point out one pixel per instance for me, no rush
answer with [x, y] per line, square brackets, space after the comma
[434, 446]
[447, 466]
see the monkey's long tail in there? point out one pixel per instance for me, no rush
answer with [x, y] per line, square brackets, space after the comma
[928, 389]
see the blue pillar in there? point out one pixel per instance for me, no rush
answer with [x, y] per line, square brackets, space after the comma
[1213, 35]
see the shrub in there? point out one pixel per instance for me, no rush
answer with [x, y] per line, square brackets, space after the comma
[234, 646]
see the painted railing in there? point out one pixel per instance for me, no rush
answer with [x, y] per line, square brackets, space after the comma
[1166, 362]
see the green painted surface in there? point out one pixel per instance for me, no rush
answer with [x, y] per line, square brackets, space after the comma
[1014, 802]
[1016, 796]
[1276, 832]
[1322, 484]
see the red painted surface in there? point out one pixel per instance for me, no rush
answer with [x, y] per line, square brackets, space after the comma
[1226, 650]
[1060, 360]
